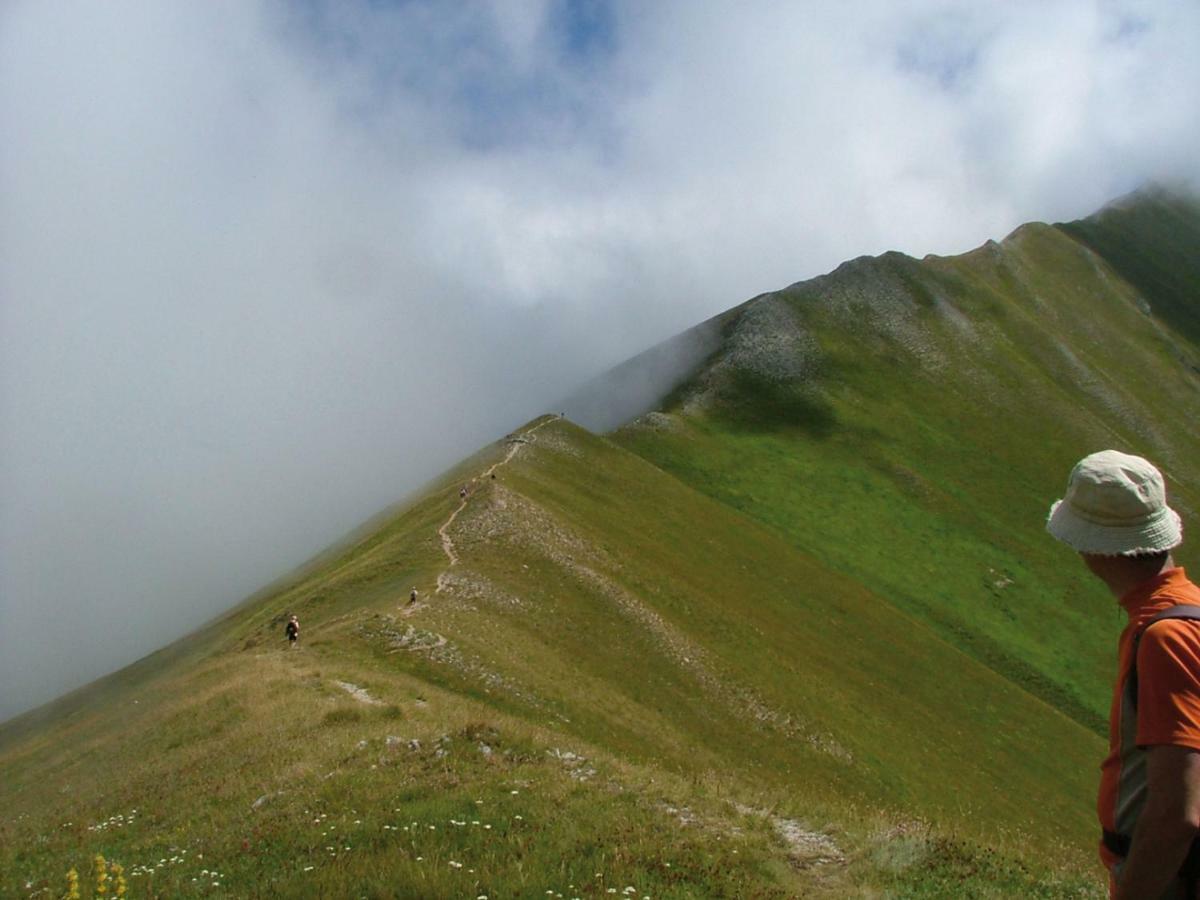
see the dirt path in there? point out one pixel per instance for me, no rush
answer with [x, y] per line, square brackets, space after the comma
[515, 443]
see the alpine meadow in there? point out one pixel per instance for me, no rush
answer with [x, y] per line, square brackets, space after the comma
[792, 629]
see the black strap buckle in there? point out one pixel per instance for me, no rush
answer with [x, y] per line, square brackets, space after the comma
[1116, 843]
[1119, 844]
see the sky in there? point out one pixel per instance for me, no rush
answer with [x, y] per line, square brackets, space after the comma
[267, 267]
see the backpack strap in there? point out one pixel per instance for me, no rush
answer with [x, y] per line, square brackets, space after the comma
[1183, 611]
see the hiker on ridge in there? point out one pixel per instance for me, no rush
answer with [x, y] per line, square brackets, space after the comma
[1115, 515]
[292, 629]
[412, 598]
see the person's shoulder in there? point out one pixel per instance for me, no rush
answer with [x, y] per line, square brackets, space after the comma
[1169, 662]
[1173, 635]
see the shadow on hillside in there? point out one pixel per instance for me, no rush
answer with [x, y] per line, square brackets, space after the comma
[756, 403]
[1151, 245]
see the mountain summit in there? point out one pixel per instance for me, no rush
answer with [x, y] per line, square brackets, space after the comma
[794, 630]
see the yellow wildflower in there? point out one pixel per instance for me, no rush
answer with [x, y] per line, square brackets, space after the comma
[118, 873]
[100, 867]
[72, 885]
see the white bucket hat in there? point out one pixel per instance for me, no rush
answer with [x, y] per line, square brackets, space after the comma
[1116, 505]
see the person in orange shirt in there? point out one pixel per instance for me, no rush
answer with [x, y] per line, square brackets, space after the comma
[1115, 515]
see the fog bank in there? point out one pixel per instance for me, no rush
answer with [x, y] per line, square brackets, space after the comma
[267, 267]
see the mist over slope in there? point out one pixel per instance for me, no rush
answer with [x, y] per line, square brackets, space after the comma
[797, 632]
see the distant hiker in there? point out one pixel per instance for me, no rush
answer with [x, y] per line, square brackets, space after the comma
[412, 598]
[462, 493]
[1115, 515]
[293, 631]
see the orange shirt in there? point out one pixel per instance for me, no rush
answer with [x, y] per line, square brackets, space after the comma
[1168, 700]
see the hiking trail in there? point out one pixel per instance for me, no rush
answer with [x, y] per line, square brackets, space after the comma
[516, 441]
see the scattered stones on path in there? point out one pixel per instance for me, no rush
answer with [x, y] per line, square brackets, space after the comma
[807, 848]
[515, 443]
[361, 694]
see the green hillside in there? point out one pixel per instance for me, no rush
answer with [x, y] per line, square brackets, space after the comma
[661, 679]
[798, 633]
[1150, 240]
[908, 423]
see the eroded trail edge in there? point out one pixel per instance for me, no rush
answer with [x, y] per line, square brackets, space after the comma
[516, 442]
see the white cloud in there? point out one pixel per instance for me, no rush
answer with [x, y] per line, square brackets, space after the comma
[264, 267]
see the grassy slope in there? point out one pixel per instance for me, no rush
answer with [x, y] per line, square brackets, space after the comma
[711, 680]
[947, 401]
[808, 639]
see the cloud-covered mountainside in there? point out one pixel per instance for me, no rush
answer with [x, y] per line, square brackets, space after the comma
[263, 263]
[796, 631]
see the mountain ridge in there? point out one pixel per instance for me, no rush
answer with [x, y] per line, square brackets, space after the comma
[794, 631]
[983, 318]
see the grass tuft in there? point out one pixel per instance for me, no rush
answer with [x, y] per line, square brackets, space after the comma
[343, 715]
